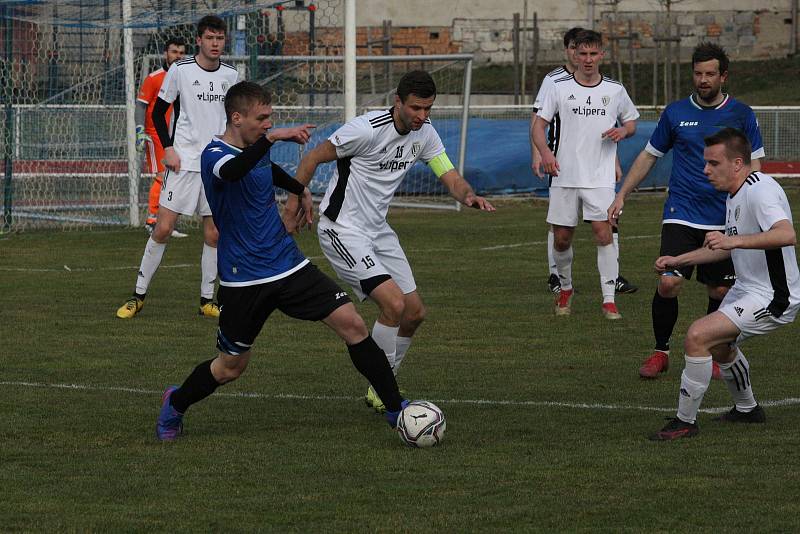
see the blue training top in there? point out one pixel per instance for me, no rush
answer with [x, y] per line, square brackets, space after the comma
[254, 247]
[683, 125]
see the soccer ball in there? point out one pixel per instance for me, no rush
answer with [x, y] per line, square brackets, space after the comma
[421, 424]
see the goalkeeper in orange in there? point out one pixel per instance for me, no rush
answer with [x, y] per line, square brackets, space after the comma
[146, 138]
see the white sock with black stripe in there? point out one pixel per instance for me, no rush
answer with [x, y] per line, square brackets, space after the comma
[737, 377]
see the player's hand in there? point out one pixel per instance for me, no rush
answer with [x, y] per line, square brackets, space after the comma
[615, 134]
[479, 203]
[719, 241]
[141, 137]
[305, 216]
[171, 159]
[297, 134]
[550, 164]
[666, 263]
[615, 210]
[537, 164]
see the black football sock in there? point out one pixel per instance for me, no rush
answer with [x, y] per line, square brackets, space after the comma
[204, 301]
[197, 386]
[665, 315]
[371, 362]
[713, 305]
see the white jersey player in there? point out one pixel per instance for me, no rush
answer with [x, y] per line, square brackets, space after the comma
[582, 109]
[759, 237]
[548, 83]
[373, 152]
[196, 88]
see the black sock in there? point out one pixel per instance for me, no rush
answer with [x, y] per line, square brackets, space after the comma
[204, 301]
[713, 305]
[371, 362]
[139, 296]
[197, 386]
[665, 315]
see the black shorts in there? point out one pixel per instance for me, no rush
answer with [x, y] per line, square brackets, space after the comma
[307, 294]
[677, 239]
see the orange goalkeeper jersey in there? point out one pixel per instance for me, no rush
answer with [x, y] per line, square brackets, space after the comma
[148, 94]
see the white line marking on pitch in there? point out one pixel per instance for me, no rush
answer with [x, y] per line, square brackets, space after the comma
[791, 401]
[537, 243]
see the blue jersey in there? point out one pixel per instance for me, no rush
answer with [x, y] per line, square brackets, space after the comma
[254, 247]
[683, 125]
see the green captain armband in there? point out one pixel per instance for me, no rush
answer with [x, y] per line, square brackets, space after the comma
[441, 164]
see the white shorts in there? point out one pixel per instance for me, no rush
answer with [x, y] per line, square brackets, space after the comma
[749, 313]
[182, 192]
[356, 256]
[565, 204]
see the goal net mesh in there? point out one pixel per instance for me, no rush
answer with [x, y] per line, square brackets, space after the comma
[64, 142]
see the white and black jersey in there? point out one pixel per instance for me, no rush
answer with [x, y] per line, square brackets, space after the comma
[548, 82]
[772, 274]
[585, 158]
[200, 95]
[372, 160]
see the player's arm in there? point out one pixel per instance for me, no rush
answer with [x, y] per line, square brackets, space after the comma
[159, 116]
[780, 234]
[459, 188]
[540, 140]
[293, 217]
[637, 173]
[536, 156]
[699, 256]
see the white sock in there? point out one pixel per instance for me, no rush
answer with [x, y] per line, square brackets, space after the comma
[563, 262]
[403, 343]
[151, 259]
[386, 338]
[551, 262]
[695, 379]
[608, 266]
[737, 377]
[615, 241]
[208, 267]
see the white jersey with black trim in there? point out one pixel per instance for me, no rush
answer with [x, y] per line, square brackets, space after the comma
[585, 158]
[372, 160]
[772, 274]
[200, 95]
[548, 82]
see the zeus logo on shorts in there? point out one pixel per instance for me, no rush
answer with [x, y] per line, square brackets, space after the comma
[340, 295]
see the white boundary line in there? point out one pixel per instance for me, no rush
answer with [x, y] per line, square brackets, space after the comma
[67, 268]
[790, 401]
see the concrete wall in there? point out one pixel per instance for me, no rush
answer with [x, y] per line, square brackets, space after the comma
[747, 29]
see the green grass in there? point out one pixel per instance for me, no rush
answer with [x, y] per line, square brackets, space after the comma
[558, 445]
[745, 82]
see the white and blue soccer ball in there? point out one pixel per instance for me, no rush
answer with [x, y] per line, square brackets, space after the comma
[421, 424]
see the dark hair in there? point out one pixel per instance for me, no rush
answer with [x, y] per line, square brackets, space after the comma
[176, 41]
[418, 83]
[736, 143]
[243, 95]
[588, 38]
[707, 51]
[570, 35]
[211, 22]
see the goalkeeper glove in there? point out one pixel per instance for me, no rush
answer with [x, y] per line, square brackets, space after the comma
[141, 137]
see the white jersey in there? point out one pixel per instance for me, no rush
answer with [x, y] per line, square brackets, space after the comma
[772, 274]
[548, 82]
[200, 97]
[373, 158]
[579, 115]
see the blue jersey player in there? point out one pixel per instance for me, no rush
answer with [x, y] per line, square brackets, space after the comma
[260, 267]
[693, 206]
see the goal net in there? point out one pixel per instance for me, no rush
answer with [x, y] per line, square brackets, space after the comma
[67, 157]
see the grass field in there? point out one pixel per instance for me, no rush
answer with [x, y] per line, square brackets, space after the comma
[547, 418]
